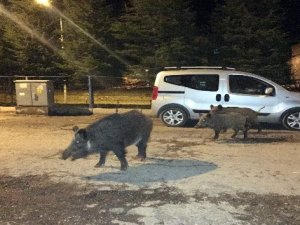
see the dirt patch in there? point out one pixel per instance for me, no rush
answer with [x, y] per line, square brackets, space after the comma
[37, 200]
[268, 209]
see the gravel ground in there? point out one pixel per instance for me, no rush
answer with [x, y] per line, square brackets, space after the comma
[188, 178]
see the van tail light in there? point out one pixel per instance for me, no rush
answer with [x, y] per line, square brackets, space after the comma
[154, 93]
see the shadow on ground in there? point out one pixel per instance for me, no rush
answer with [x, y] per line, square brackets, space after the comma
[256, 140]
[69, 110]
[264, 126]
[157, 170]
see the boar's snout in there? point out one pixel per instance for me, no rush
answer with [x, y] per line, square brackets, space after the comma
[201, 124]
[66, 154]
[198, 125]
[74, 154]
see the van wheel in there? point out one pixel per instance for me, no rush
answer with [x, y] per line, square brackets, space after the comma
[291, 120]
[174, 117]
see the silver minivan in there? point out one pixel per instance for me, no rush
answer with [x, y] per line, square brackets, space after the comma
[180, 94]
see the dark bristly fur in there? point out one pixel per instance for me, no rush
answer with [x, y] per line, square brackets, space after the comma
[250, 114]
[112, 133]
[224, 121]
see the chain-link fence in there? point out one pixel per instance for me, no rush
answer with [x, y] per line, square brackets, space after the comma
[95, 91]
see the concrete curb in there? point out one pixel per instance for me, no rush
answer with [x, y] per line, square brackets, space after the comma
[120, 110]
[7, 109]
[94, 110]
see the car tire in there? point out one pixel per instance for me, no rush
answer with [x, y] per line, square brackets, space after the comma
[174, 117]
[291, 120]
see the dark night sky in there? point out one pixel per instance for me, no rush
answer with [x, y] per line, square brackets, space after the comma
[292, 19]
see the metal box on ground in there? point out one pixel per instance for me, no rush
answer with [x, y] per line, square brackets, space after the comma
[34, 96]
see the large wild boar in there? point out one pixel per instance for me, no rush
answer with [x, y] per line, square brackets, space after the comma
[112, 133]
[250, 114]
[223, 121]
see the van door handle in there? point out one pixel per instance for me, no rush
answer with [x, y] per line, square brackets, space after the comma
[218, 97]
[226, 98]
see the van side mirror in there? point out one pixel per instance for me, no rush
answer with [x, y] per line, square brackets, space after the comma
[269, 91]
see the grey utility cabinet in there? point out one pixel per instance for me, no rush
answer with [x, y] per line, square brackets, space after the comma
[34, 96]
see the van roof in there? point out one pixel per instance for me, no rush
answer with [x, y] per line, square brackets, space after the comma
[197, 67]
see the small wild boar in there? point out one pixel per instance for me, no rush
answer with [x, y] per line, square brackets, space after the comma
[224, 121]
[250, 114]
[112, 133]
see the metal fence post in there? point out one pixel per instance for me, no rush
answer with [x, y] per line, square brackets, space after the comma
[65, 91]
[91, 94]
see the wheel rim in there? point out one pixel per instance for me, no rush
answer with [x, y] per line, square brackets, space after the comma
[173, 117]
[293, 121]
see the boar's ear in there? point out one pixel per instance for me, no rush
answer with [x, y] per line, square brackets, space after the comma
[75, 129]
[82, 133]
[211, 106]
[220, 107]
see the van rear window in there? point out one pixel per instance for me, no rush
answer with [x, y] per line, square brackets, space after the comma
[203, 82]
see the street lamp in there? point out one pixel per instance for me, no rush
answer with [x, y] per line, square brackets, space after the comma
[43, 2]
[47, 4]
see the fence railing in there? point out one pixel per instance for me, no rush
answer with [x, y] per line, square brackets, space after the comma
[94, 91]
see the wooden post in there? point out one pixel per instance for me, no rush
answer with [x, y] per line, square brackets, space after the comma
[91, 94]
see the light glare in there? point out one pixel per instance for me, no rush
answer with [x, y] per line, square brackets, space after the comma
[43, 2]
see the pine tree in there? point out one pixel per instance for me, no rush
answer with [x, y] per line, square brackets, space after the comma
[249, 36]
[28, 55]
[155, 34]
[89, 55]
[8, 64]
[291, 19]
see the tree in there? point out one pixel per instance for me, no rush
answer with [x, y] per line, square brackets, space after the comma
[87, 40]
[203, 10]
[28, 55]
[249, 36]
[291, 19]
[8, 64]
[155, 34]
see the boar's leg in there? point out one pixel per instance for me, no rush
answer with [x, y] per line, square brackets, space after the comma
[121, 154]
[246, 128]
[245, 134]
[245, 131]
[235, 133]
[217, 132]
[259, 128]
[142, 146]
[102, 159]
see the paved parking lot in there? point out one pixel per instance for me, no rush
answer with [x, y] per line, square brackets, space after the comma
[188, 178]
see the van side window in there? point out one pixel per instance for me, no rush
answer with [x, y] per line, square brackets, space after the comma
[177, 80]
[247, 85]
[201, 82]
[204, 82]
